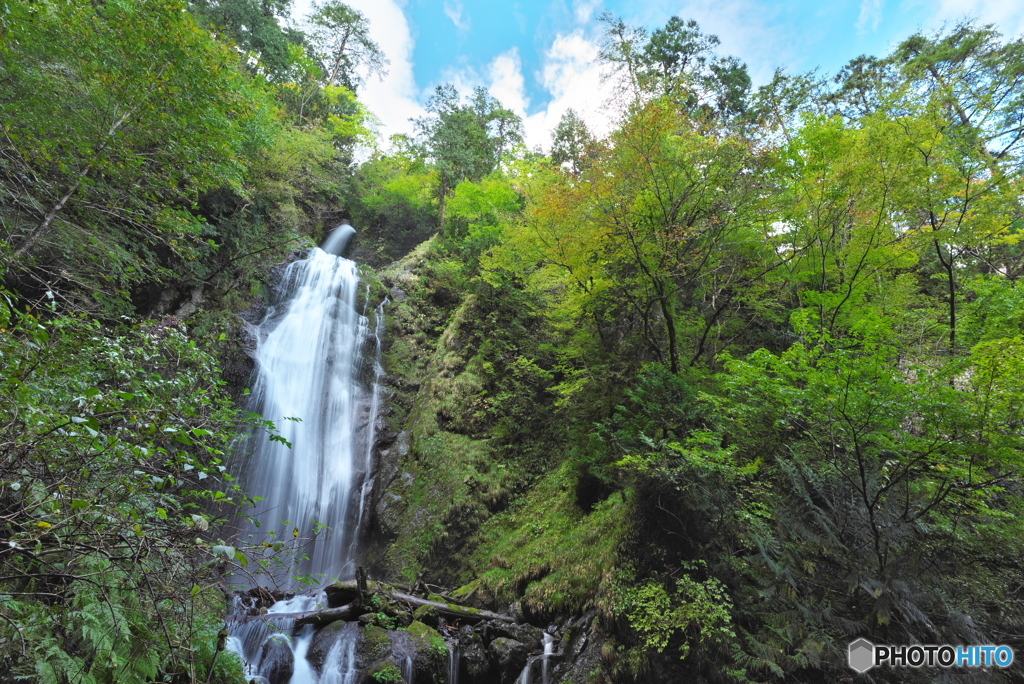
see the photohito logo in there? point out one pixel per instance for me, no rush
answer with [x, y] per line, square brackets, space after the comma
[864, 655]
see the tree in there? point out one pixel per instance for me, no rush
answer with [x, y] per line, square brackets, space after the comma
[340, 38]
[571, 142]
[147, 101]
[976, 79]
[890, 486]
[678, 62]
[468, 140]
[255, 27]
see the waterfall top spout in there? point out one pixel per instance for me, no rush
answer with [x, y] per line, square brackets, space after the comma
[338, 240]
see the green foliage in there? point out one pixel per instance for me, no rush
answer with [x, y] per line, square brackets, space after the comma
[466, 141]
[255, 27]
[133, 114]
[677, 62]
[111, 471]
[397, 208]
[701, 611]
[386, 673]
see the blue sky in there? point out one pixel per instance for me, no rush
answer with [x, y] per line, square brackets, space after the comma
[538, 56]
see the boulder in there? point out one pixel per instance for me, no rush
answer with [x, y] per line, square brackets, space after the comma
[277, 662]
[327, 637]
[508, 656]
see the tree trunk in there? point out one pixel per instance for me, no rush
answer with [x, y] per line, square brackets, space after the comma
[30, 240]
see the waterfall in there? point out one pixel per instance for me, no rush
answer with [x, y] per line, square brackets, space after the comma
[310, 355]
[312, 384]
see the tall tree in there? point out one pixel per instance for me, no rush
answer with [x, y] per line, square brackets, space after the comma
[340, 39]
[678, 62]
[466, 140]
[571, 142]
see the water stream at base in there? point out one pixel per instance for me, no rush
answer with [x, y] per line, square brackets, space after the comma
[310, 355]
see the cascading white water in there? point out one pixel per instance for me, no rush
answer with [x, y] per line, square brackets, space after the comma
[549, 648]
[340, 664]
[309, 355]
[526, 676]
[311, 385]
[453, 662]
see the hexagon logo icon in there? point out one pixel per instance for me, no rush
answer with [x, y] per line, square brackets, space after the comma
[862, 655]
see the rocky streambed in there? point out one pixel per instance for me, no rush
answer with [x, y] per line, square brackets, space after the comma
[356, 633]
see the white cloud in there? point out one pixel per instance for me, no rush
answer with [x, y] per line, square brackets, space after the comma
[453, 9]
[570, 74]
[584, 10]
[1007, 15]
[870, 16]
[507, 84]
[573, 77]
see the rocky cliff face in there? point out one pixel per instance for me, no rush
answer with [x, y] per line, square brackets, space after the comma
[448, 474]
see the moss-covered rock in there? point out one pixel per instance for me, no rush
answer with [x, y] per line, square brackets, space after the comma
[428, 641]
[427, 615]
[508, 657]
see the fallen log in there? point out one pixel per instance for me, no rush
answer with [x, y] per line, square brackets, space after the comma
[449, 610]
[347, 591]
[317, 618]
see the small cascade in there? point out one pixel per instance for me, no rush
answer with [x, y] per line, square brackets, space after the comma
[303, 672]
[340, 664]
[407, 670]
[453, 663]
[549, 648]
[375, 394]
[266, 645]
[527, 675]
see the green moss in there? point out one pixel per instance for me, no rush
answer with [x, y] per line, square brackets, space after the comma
[427, 640]
[465, 591]
[376, 642]
[446, 345]
[467, 609]
[556, 556]
[425, 614]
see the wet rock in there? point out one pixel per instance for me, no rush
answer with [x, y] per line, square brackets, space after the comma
[277, 662]
[474, 665]
[527, 634]
[327, 637]
[341, 593]
[427, 615]
[509, 657]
